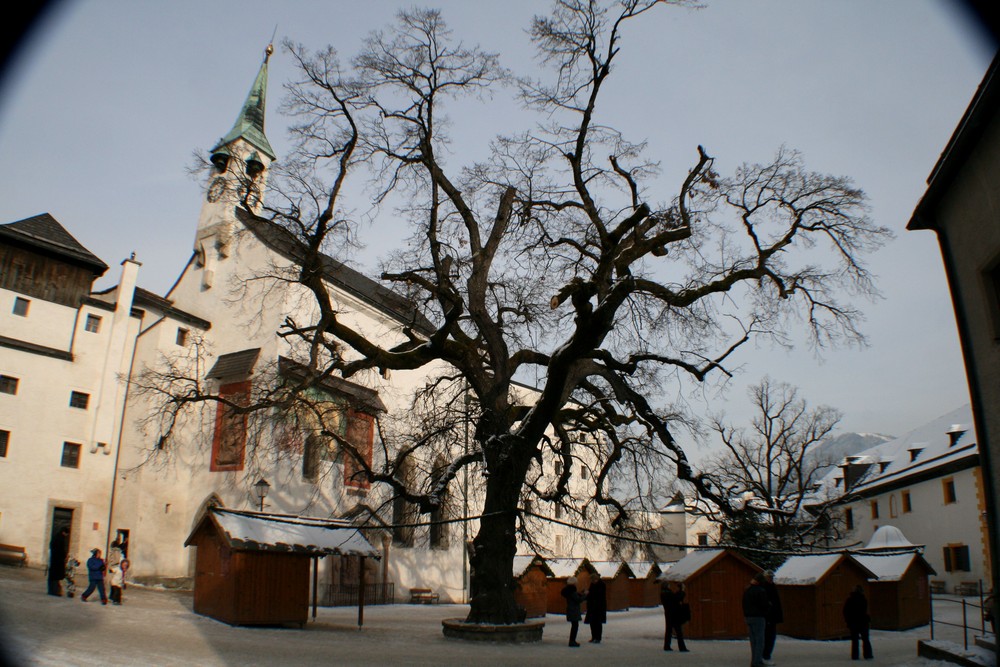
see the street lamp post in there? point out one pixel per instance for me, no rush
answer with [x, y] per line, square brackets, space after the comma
[261, 487]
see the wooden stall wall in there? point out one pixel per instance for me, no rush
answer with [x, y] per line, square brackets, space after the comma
[903, 604]
[645, 592]
[817, 609]
[273, 588]
[619, 591]
[556, 602]
[531, 591]
[715, 595]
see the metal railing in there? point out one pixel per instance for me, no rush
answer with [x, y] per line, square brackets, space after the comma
[346, 595]
[966, 605]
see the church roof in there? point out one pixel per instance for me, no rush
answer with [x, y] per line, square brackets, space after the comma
[337, 273]
[43, 233]
[249, 123]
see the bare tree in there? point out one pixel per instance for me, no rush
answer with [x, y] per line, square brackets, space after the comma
[556, 260]
[770, 469]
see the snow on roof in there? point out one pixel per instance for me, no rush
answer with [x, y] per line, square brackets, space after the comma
[564, 567]
[609, 569]
[276, 532]
[887, 568]
[692, 563]
[641, 568]
[892, 460]
[889, 537]
[805, 570]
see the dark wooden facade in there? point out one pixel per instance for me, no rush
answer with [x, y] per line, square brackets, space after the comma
[644, 588]
[248, 587]
[815, 611]
[902, 603]
[715, 593]
[532, 588]
[618, 579]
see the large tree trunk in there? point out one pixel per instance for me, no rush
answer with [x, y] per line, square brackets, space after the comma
[492, 560]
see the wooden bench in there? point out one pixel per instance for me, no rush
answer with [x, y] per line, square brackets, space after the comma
[937, 586]
[13, 554]
[423, 596]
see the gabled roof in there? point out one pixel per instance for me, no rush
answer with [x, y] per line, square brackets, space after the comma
[643, 568]
[249, 123]
[523, 562]
[337, 273]
[566, 567]
[256, 531]
[43, 233]
[235, 364]
[812, 569]
[892, 567]
[609, 569]
[696, 561]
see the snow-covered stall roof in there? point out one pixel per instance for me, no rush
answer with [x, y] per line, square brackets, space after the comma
[809, 570]
[664, 569]
[890, 568]
[692, 563]
[609, 569]
[254, 531]
[523, 562]
[565, 567]
[642, 568]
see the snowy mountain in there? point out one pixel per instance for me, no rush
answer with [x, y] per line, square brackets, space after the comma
[833, 450]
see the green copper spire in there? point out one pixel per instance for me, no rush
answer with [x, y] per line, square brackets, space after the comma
[250, 123]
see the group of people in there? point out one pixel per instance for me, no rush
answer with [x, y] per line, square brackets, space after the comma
[62, 568]
[761, 610]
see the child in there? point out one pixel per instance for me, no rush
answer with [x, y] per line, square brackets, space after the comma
[70, 579]
[115, 580]
[95, 576]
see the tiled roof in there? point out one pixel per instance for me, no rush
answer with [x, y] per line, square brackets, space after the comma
[44, 233]
[235, 364]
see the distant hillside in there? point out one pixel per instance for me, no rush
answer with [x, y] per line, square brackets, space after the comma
[833, 450]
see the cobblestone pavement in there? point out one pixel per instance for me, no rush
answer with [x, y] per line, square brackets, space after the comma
[159, 628]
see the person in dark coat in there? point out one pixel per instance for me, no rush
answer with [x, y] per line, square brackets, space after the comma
[774, 616]
[95, 576]
[58, 551]
[675, 614]
[573, 601]
[597, 608]
[755, 607]
[857, 619]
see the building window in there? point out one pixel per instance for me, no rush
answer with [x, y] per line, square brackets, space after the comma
[70, 455]
[956, 558]
[558, 466]
[849, 519]
[702, 539]
[4, 441]
[360, 433]
[893, 507]
[584, 473]
[8, 385]
[874, 509]
[559, 544]
[948, 486]
[93, 323]
[907, 503]
[230, 439]
[182, 336]
[78, 399]
[21, 306]
[558, 511]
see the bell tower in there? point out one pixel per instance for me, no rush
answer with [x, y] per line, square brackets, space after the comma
[240, 162]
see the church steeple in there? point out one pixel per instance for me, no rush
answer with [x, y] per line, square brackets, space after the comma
[249, 124]
[240, 160]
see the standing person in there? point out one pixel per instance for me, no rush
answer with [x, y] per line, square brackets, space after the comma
[573, 601]
[597, 608]
[95, 576]
[71, 565]
[58, 551]
[115, 582]
[676, 613]
[774, 616]
[755, 613]
[857, 619]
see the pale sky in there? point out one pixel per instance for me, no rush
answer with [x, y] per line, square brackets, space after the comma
[100, 116]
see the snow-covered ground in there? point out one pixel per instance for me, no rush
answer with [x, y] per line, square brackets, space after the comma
[159, 628]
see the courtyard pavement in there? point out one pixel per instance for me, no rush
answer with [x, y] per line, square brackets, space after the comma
[159, 628]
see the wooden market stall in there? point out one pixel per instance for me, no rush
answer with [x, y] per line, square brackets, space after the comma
[645, 586]
[531, 575]
[618, 578]
[253, 568]
[714, 580]
[900, 598]
[814, 588]
[562, 569]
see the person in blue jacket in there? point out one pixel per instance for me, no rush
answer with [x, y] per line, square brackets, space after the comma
[95, 575]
